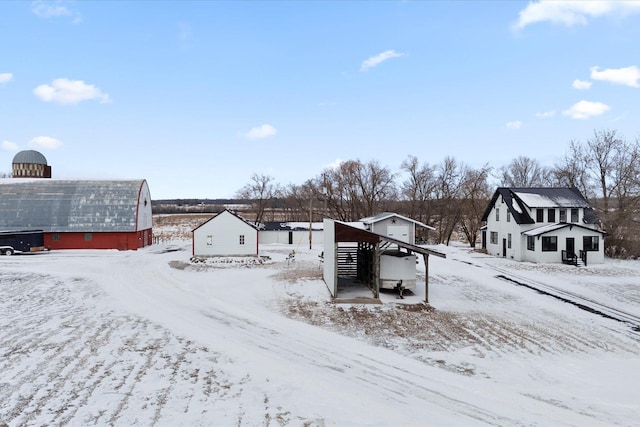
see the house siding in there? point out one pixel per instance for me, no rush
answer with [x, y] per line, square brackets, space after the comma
[519, 252]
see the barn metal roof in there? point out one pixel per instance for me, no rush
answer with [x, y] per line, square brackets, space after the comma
[70, 205]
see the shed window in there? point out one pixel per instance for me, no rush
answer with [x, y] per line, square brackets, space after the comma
[88, 237]
[531, 243]
[539, 215]
[551, 215]
[494, 237]
[563, 215]
[591, 243]
[549, 244]
[55, 237]
[209, 240]
[242, 239]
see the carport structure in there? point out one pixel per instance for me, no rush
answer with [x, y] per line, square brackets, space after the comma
[353, 252]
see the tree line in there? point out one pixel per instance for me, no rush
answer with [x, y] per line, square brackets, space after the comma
[452, 195]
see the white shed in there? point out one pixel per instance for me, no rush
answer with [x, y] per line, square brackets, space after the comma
[396, 226]
[226, 234]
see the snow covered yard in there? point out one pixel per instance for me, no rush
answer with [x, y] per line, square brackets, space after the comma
[151, 338]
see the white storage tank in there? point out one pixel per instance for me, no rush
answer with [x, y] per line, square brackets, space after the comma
[396, 266]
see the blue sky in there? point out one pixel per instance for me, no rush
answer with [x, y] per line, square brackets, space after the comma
[197, 96]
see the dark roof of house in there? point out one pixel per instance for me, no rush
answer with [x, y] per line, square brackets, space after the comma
[519, 200]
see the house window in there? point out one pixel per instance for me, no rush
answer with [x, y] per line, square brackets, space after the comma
[242, 239]
[531, 243]
[494, 237]
[591, 243]
[508, 215]
[563, 215]
[55, 237]
[574, 215]
[209, 240]
[549, 243]
[551, 215]
[88, 237]
[539, 215]
[497, 214]
[509, 240]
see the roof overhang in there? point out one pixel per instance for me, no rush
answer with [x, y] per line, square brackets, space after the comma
[347, 233]
[538, 231]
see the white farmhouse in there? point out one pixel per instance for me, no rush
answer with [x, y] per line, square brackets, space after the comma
[226, 234]
[550, 225]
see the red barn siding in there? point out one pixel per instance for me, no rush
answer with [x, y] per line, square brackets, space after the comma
[105, 240]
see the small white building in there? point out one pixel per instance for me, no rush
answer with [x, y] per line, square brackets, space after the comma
[225, 234]
[550, 225]
[392, 225]
[290, 233]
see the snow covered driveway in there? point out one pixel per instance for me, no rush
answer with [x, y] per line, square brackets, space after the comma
[145, 338]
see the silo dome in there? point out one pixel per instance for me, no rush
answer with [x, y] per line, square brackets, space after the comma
[30, 157]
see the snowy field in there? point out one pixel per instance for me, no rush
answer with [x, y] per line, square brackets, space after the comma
[149, 338]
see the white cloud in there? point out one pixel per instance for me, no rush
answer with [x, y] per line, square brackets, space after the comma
[260, 132]
[627, 76]
[9, 146]
[65, 91]
[546, 114]
[45, 142]
[54, 9]
[515, 125]
[379, 58]
[5, 77]
[586, 109]
[572, 12]
[581, 84]
[335, 164]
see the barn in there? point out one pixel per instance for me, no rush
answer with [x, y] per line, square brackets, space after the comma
[225, 234]
[79, 214]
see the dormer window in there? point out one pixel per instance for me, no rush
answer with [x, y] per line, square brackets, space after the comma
[539, 215]
[551, 215]
[563, 215]
[574, 214]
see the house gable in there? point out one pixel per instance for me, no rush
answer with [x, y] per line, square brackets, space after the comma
[225, 234]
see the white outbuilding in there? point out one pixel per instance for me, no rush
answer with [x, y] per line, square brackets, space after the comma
[225, 234]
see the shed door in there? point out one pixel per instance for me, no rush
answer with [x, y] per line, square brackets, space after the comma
[399, 232]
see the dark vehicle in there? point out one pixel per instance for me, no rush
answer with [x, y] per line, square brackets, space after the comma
[21, 241]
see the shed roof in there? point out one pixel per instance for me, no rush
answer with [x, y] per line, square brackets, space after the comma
[344, 232]
[385, 215]
[70, 205]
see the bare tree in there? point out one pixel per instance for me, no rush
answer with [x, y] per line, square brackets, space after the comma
[261, 191]
[418, 188]
[572, 171]
[475, 195]
[450, 177]
[524, 172]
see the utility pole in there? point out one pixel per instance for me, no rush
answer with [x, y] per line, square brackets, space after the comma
[310, 219]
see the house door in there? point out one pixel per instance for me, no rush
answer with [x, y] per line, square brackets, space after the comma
[504, 248]
[571, 246]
